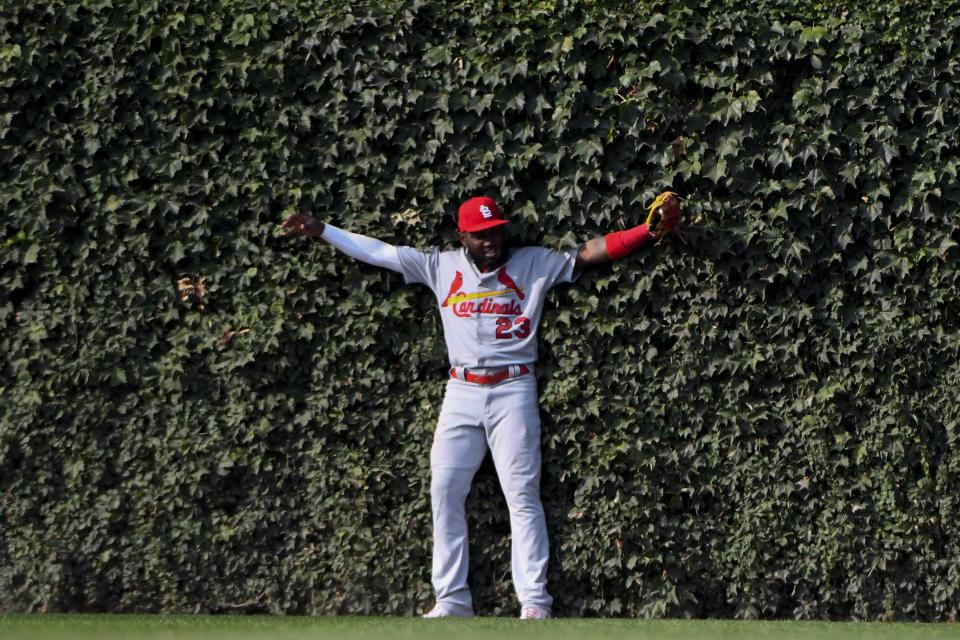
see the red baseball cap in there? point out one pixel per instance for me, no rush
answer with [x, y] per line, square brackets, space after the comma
[477, 214]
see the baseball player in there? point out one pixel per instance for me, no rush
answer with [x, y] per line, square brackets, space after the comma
[490, 298]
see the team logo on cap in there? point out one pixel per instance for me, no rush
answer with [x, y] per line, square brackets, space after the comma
[485, 211]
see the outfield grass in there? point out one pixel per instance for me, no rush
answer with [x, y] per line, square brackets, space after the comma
[180, 627]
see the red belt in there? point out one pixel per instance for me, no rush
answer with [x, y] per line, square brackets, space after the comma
[490, 378]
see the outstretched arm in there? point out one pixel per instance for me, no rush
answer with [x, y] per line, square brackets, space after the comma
[369, 250]
[611, 246]
[664, 218]
[592, 252]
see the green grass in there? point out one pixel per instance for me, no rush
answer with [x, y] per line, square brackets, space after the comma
[161, 627]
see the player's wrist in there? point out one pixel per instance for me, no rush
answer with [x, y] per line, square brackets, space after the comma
[622, 243]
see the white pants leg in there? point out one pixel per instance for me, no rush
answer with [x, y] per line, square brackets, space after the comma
[513, 434]
[459, 445]
[505, 417]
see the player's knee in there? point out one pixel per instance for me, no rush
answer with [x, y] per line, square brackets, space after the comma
[526, 510]
[523, 495]
[449, 484]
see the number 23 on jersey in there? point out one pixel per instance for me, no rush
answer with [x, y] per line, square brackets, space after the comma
[509, 328]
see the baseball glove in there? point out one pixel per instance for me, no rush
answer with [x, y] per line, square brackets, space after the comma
[664, 215]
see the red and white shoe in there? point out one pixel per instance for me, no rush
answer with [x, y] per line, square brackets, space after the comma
[534, 613]
[439, 611]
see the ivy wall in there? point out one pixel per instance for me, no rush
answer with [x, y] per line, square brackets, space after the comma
[197, 414]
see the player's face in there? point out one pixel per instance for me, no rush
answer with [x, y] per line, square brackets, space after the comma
[485, 247]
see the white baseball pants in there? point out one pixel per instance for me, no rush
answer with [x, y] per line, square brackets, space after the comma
[505, 417]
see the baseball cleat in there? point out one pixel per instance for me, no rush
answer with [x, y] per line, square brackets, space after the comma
[439, 611]
[534, 613]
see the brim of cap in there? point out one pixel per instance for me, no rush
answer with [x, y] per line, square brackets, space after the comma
[485, 225]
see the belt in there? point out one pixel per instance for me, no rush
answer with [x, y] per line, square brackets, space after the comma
[490, 378]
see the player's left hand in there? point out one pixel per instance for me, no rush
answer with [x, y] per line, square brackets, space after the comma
[664, 215]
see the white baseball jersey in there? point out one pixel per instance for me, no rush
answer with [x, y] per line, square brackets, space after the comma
[489, 319]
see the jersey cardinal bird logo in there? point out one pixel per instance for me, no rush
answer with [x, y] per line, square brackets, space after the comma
[454, 288]
[508, 282]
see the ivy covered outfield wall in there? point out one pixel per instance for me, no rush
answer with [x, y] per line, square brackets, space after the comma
[200, 415]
